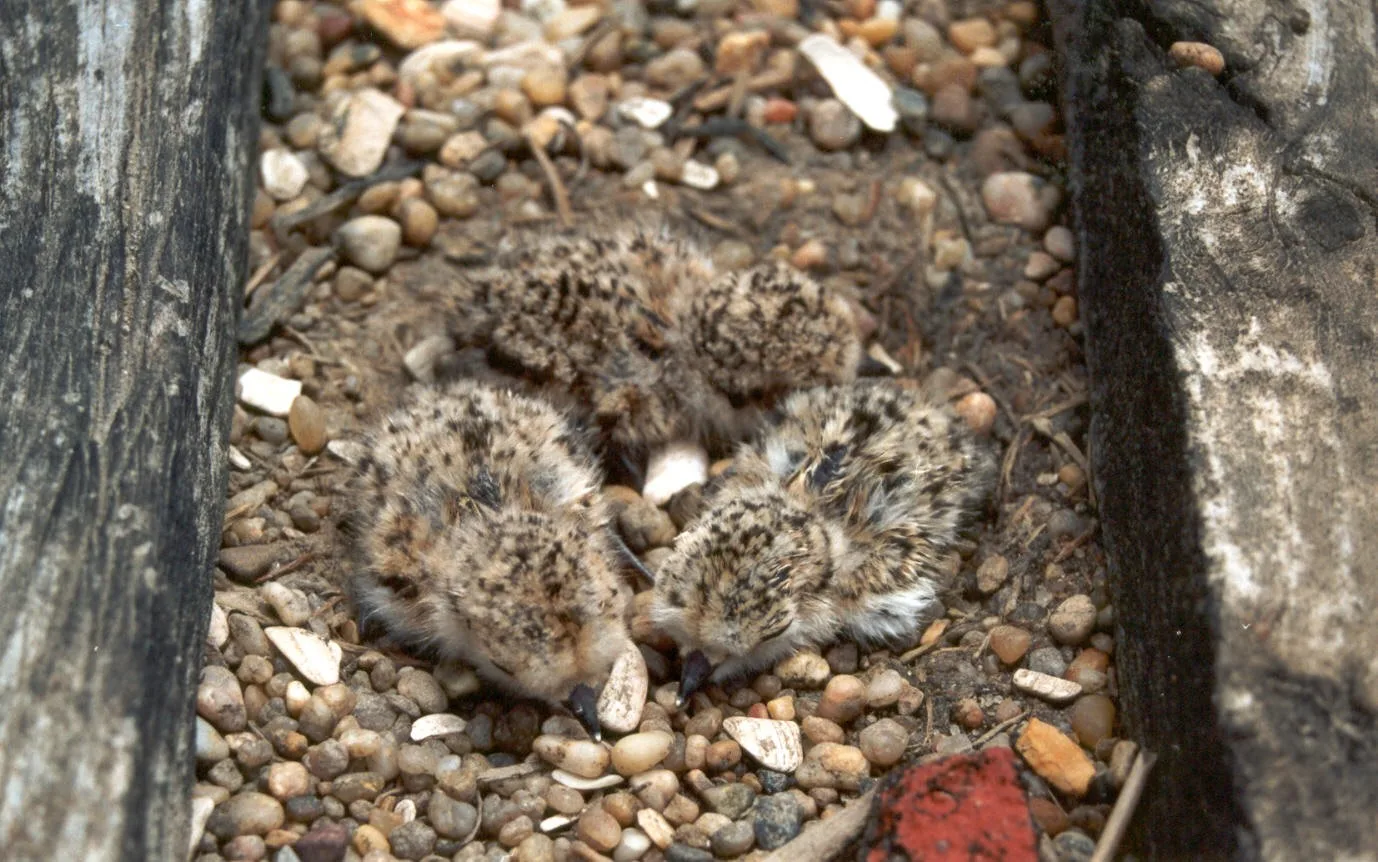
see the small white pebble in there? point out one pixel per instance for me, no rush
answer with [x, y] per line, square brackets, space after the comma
[268, 393]
[673, 469]
[312, 655]
[647, 113]
[439, 724]
[1046, 686]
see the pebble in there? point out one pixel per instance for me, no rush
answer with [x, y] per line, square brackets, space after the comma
[819, 729]
[776, 820]
[1010, 643]
[883, 743]
[579, 757]
[832, 126]
[247, 813]
[774, 744]
[315, 658]
[545, 85]
[287, 779]
[969, 34]
[421, 688]
[978, 410]
[355, 142]
[675, 69]
[477, 18]
[268, 392]
[843, 699]
[1065, 311]
[805, 670]
[451, 818]
[412, 840]
[656, 827]
[1197, 54]
[647, 113]
[732, 840]
[1013, 197]
[729, 800]
[306, 421]
[678, 852]
[283, 174]
[632, 845]
[639, 752]
[220, 701]
[1092, 718]
[623, 697]
[832, 765]
[955, 110]
[1050, 688]
[1074, 846]
[535, 848]
[644, 526]
[419, 221]
[722, 755]
[1060, 243]
[1055, 757]
[453, 193]
[884, 689]
[1047, 660]
[408, 24]
[370, 242]
[1040, 265]
[1073, 620]
[436, 725]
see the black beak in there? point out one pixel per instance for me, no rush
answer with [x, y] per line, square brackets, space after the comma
[695, 672]
[632, 558]
[869, 367]
[583, 702]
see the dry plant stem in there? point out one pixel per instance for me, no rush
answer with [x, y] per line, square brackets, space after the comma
[557, 186]
[827, 839]
[1123, 811]
[1000, 728]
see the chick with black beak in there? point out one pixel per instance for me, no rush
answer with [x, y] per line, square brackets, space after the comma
[695, 672]
[583, 703]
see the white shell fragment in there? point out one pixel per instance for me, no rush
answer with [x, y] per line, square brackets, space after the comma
[697, 175]
[438, 55]
[348, 451]
[219, 630]
[439, 724]
[268, 393]
[624, 694]
[646, 113]
[774, 744]
[421, 359]
[406, 809]
[284, 176]
[879, 354]
[201, 808]
[656, 827]
[312, 655]
[557, 821]
[569, 779]
[1051, 688]
[239, 460]
[855, 85]
[673, 469]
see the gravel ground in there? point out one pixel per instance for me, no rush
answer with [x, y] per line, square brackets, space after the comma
[401, 134]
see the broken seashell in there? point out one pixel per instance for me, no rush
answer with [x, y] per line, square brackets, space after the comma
[219, 630]
[623, 696]
[439, 724]
[268, 393]
[557, 821]
[312, 655]
[569, 779]
[1053, 689]
[646, 113]
[774, 744]
[855, 85]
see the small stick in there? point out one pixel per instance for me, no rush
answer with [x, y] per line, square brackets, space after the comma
[261, 274]
[1000, 728]
[830, 836]
[557, 186]
[1123, 811]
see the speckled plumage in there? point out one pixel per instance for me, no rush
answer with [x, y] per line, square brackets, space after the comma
[831, 522]
[478, 533]
[636, 329]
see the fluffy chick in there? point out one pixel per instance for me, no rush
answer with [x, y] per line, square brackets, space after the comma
[478, 534]
[832, 522]
[635, 326]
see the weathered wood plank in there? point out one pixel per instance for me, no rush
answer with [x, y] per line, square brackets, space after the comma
[126, 132]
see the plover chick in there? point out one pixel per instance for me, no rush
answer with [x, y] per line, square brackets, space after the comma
[657, 348]
[832, 522]
[478, 535]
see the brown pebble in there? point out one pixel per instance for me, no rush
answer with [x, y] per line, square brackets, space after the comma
[306, 422]
[1197, 54]
[978, 410]
[723, 755]
[810, 255]
[1065, 311]
[968, 713]
[971, 33]
[599, 829]
[545, 85]
[1050, 817]
[821, 730]
[622, 806]
[1073, 477]
[843, 699]
[1010, 643]
[1092, 718]
[419, 222]
[884, 742]
[368, 837]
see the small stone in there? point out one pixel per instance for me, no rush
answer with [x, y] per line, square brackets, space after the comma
[883, 743]
[729, 800]
[354, 786]
[288, 779]
[740, 51]
[315, 658]
[781, 708]
[284, 176]
[412, 840]
[955, 110]
[843, 699]
[811, 255]
[1056, 758]
[833, 765]
[358, 136]
[306, 421]
[1073, 620]
[1197, 54]
[1050, 688]
[971, 33]
[477, 18]
[588, 94]
[656, 827]
[776, 820]
[774, 744]
[599, 830]
[370, 242]
[267, 392]
[1060, 243]
[246, 814]
[450, 818]
[1010, 643]
[722, 755]
[633, 845]
[675, 69]
[326, 842]
[370, 841]
[1013, 197]
[1040, 265]
[1050, 817]
[436, 725]
[819, 729]
[697, 175]
[832, 126]
[1065, 311]
[647, 113]
[421, 688]
[545, 85]
[803, 670]
[623, 697]
[645, 526]
[640, 751]
[419, 222]
[1047, 660]
[421, 359]
[454, 193]
[978, 410]
[733, 840]
[684, 852]
[220, 701]
[1092, 718]
[1073, 846]
[408, 24]
[884, 689]
[577, 756]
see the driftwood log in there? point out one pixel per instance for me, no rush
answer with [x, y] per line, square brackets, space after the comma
[126, 132]
[1229, 243]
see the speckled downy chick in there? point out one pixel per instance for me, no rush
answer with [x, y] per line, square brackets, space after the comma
[479, 535]
[832, 522]
[636, 327]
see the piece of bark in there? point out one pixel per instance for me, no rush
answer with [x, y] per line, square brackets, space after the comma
[124, 198]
